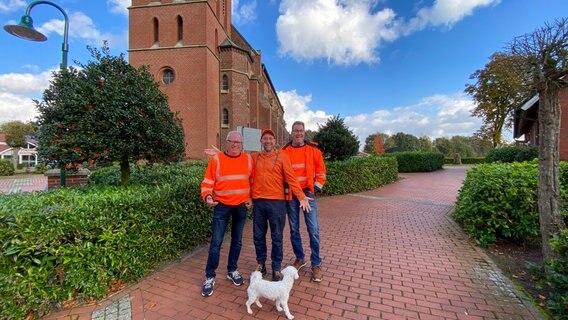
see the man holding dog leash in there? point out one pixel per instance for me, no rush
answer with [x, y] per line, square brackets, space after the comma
[226, 187]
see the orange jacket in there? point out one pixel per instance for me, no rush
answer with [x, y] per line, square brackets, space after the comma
[271, 170]
[227, 178]
[308, 164]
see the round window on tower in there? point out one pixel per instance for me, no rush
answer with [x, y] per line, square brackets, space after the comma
[168, 76]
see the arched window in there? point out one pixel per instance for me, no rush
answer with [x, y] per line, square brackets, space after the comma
[156, 32]
[225, 118]
[225, 84]
[180, 30]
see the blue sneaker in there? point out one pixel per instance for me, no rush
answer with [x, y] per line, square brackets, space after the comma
[207, 289]
[236, 277]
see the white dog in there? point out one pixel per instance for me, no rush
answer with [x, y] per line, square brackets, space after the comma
[278, 291]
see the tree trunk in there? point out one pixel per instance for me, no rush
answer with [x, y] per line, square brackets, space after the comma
[124, 172]
[548, 168]
[15, 157]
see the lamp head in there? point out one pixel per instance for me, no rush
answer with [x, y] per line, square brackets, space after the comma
[25, 30]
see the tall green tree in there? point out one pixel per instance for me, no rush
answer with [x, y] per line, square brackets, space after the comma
[16, 132]
[107, 110]
[406, 142]
[425, 144]
[544, 55]
[336, 140]
[498, 91]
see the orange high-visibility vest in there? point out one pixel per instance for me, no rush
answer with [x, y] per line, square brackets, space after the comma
[227, 178]
[308, 164]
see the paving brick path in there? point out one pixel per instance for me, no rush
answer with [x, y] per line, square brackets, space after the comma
[390, 253]
[16, 185]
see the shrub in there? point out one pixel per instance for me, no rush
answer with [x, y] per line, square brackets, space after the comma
[412, 161]
[359, 174]
[511, 154]
[6, 167]
[499, 201]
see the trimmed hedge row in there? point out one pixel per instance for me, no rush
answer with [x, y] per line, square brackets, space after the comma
[414, 161]
[74, 244]
[359, 174]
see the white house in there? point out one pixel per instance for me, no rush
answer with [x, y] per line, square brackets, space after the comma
[27, 156]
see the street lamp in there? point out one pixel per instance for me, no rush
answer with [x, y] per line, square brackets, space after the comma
[25, 30]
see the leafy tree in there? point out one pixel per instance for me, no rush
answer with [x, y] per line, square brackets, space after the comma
[16, 132]
[462, 145]
[406, 142]
[498, 91]
[370, 144]
[545, 60]
[336, 140]
[107, 110]
[444, 146]
[425, 144]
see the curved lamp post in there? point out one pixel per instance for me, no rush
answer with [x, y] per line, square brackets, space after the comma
[26, 31]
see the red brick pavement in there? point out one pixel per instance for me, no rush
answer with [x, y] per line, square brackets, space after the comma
[390, 253]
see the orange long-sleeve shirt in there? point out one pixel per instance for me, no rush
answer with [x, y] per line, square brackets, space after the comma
[271, 170]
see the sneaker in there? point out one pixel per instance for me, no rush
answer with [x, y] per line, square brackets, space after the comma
[208, 287]
[262, 268]
[236, 277]
[299, 263]
[277, 276]
[316, 274]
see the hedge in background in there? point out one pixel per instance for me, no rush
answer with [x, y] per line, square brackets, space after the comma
[512, 154]
[73, 244]
[359, 174]
[6, 167]
[413, 161]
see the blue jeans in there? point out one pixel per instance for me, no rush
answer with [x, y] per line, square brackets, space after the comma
[221, 215]
[269, 213]
[311, 219]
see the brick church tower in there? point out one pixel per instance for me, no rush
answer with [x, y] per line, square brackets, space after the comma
[211, 75]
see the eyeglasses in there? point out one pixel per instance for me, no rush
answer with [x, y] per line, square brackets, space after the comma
[234, 142]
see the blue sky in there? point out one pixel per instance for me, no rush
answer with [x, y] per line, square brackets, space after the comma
[383, 65]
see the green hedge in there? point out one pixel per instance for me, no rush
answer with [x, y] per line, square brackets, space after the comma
[359, 174]
[6, 167]
[75, 243]
[512, 154]
[413, 161]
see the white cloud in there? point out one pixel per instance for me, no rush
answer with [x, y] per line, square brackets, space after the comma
[435, 116]
[343, 32]
[16, 107]
[296, 109]
[25, 83]
[12, 5]
[119, 6]
[17, 91]
[244, 13]
[349, 32]
[445, 13]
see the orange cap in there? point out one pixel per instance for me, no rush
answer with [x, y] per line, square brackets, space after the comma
[267, 131]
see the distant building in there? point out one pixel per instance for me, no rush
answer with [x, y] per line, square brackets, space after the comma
[210, 73]
[27, 156]
[525, 124]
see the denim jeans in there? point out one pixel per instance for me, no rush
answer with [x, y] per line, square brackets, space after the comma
[311, 219]
[221, 215]
[267, 213]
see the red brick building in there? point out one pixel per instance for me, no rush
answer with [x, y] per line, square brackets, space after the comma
[210, 73]
[525, 126]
